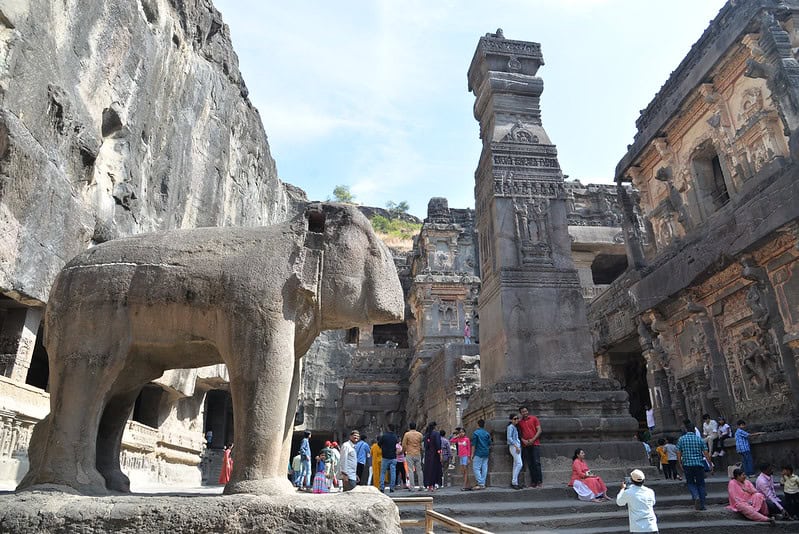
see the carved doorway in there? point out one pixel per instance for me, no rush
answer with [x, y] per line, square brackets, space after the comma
[627, 365]
[39, 371]
[219, 418]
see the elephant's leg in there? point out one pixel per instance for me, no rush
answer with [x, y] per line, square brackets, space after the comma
[260, 384]
[109, 440]
[65, 449]
[113, 422]
[291, 411]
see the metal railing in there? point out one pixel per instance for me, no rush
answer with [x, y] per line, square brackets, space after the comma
[432, 517]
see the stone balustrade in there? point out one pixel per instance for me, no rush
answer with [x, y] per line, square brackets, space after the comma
[149, 456]
[15, 434]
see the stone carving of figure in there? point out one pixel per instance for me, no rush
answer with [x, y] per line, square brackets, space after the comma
[660, 352]
[522, 227]
[605, 206]
[531, 230]
[538, 212]
[665, 230]
[759, 365]
[644, 335]
[756, 302]
[738, 391]
[442, 260]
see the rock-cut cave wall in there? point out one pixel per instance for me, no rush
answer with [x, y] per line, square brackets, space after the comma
[120, 117]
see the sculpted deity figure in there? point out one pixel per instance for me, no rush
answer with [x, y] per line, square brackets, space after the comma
[760, 366]
[756, 303]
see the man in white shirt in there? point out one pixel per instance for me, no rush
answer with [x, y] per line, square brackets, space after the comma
[640, 502]
[710, 432]
[650, 418]
[349, 461]
[724, 432]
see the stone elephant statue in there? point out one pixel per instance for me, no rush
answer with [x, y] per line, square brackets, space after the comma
[122, 313]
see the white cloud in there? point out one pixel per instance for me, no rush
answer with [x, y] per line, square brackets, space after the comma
[302, 125]
[389, 79]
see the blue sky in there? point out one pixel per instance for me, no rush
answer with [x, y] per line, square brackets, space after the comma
[373, 94]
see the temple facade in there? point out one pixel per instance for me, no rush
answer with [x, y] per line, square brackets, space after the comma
[710, 305]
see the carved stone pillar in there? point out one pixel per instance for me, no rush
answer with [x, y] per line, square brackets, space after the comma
[761, 299]
[17, 340]
[535, 343]
[719, 393]
[656, 376]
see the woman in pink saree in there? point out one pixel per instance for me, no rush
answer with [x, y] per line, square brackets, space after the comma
[744, 498]
[588, 486]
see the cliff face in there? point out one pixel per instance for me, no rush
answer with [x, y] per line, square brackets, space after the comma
[119, 118]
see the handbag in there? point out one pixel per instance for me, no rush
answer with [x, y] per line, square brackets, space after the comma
[707, 465]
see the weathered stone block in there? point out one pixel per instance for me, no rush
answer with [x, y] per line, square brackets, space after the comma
[50, 512]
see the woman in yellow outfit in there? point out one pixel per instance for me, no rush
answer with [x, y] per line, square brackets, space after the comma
[377, 457]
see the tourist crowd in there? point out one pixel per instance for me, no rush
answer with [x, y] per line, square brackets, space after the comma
[697, 452]
[422, 461]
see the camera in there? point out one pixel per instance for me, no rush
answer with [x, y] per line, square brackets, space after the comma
[628, 481]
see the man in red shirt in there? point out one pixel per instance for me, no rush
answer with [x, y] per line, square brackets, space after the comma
[530, 431]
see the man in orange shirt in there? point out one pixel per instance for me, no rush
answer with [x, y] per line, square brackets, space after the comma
[530, 430]
[412, 445]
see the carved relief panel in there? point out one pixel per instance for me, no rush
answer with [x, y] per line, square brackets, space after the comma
[753, 362]
[448, 313]
[533, 230]
[758, 135]
[441, 256]
[786, 285]
[692, 342]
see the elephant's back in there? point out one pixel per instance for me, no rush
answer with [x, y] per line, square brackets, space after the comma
[183, 266]
[174, 247]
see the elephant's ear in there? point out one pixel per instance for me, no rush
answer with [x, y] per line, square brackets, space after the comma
[308, 271]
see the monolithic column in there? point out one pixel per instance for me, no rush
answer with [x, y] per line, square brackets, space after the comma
[17, 341]
[535, 343]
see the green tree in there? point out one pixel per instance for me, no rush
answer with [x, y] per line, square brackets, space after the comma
[341, 193]
[396, 209]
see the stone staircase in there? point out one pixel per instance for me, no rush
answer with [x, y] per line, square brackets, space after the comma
[211, 466]
[555, 509]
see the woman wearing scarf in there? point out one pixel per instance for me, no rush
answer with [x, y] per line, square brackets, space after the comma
[744, 498]
[432, 457]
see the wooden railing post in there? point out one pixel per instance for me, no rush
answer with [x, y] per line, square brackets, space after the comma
[428, 522]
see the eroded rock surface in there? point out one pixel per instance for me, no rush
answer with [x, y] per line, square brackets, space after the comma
[118, 118]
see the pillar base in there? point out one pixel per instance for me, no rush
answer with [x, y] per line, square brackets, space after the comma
[580, 411]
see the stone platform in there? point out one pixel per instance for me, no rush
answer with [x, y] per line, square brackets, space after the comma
[54, 511]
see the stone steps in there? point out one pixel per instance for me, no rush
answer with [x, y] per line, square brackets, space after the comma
[555, 508]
